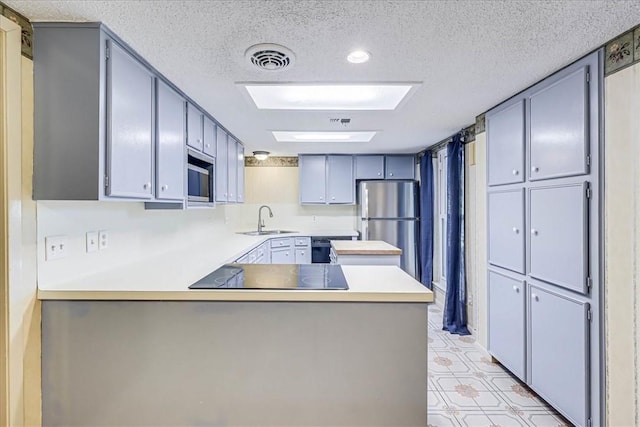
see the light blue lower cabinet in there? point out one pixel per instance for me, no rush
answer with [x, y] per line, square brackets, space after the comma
[559, 351]
[507, 322]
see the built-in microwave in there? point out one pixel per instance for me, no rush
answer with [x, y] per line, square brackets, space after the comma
[199, 179]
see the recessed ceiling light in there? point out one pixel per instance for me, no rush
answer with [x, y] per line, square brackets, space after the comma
[358, 56]
[306, 136]
[327, 96]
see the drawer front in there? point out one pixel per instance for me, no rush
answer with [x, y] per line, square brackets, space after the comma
[281, 243]
[303, 241]
[303, 256]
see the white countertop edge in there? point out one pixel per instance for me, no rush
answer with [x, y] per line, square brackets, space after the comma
[236, 296]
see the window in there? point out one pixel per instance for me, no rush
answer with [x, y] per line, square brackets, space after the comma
[440, 243]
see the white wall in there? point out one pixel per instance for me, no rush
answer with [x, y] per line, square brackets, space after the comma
[622, 245]
[475, 237]
[278, 188]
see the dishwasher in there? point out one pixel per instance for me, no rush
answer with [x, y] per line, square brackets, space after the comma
[321, 248]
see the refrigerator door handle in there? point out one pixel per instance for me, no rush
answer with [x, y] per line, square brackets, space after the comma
[365, 205]
[365, 230]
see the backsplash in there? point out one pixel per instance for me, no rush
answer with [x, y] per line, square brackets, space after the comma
[136, 234]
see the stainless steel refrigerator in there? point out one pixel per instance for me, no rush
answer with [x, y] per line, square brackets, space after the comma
[388, 210]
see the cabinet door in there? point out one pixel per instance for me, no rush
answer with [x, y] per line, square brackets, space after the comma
[312, 171]
[170, 159]
[559, 352]
[505, 145]
[209, 137]
[340, 182]
[558, 242]
[232, 169]
[281, 256]
[559, 128]
[506, 229]
[240, 171]
[130, 118]
[369, 167]
[222, 192]
[303, 256]
[507, 322]
[194, 128]
[400, 167]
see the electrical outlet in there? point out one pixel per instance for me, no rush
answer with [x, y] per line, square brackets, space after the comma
[103, 239]
[92, 241]
[313, 218]
[56, 247]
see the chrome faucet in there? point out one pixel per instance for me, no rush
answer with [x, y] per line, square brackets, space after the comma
[260, 220]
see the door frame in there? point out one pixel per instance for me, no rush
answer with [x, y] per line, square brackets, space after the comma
[10, 133]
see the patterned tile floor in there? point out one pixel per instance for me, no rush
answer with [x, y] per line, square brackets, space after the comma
[467, 389]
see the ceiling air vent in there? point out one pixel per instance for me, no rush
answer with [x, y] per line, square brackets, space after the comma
[270, 56]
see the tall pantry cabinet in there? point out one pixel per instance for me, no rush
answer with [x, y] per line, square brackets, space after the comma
[544, 249]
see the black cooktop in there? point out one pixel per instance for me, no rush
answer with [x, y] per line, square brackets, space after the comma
[274, 276]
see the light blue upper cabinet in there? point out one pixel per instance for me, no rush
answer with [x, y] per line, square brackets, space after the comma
[400, 167]
[558, 235]
[240, 172]
[232, 170]
[130, 112]
[194, 128]
[170, 146]
[559, 128]
[505, 144]
[559, 352]
[209, 137]
[312, 170]
[340, 182]
[506, 314]
[506, 229]
[222, 192]
[369, 167]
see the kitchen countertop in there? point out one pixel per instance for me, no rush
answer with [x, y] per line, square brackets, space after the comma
[379, 283]
[364, 247]
[168, 276]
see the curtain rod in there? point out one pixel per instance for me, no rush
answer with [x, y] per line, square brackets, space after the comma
[468, 135]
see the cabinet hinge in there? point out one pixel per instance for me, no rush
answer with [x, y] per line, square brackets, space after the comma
[589, 422]
[106, 180]
[107, 52]
[589, 160]
[589, 316]
[588, 77]
[588, 192]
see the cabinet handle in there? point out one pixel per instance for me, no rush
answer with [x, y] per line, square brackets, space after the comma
[164, 187]
[225, 194]
[534, 169]
[207, 145]
[515, 288]
[390, 173]
[534, 232]
[515, 230]
[147, 186]
[321, 198]
[535, 297]
[198, 141]
[333, 198]
[515, 172]
[379, 173]
[302, 253]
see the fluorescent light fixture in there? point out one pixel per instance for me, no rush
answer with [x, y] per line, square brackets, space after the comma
[289, 96]
[305, 136]
[358, 56]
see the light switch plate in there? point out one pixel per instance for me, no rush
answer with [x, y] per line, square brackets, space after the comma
[103, 239]
[56, 247]
[92, 241]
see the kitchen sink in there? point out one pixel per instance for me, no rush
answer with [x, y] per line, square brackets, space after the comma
[266, 232]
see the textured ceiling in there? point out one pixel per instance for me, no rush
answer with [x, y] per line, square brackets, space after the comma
[470, 55]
